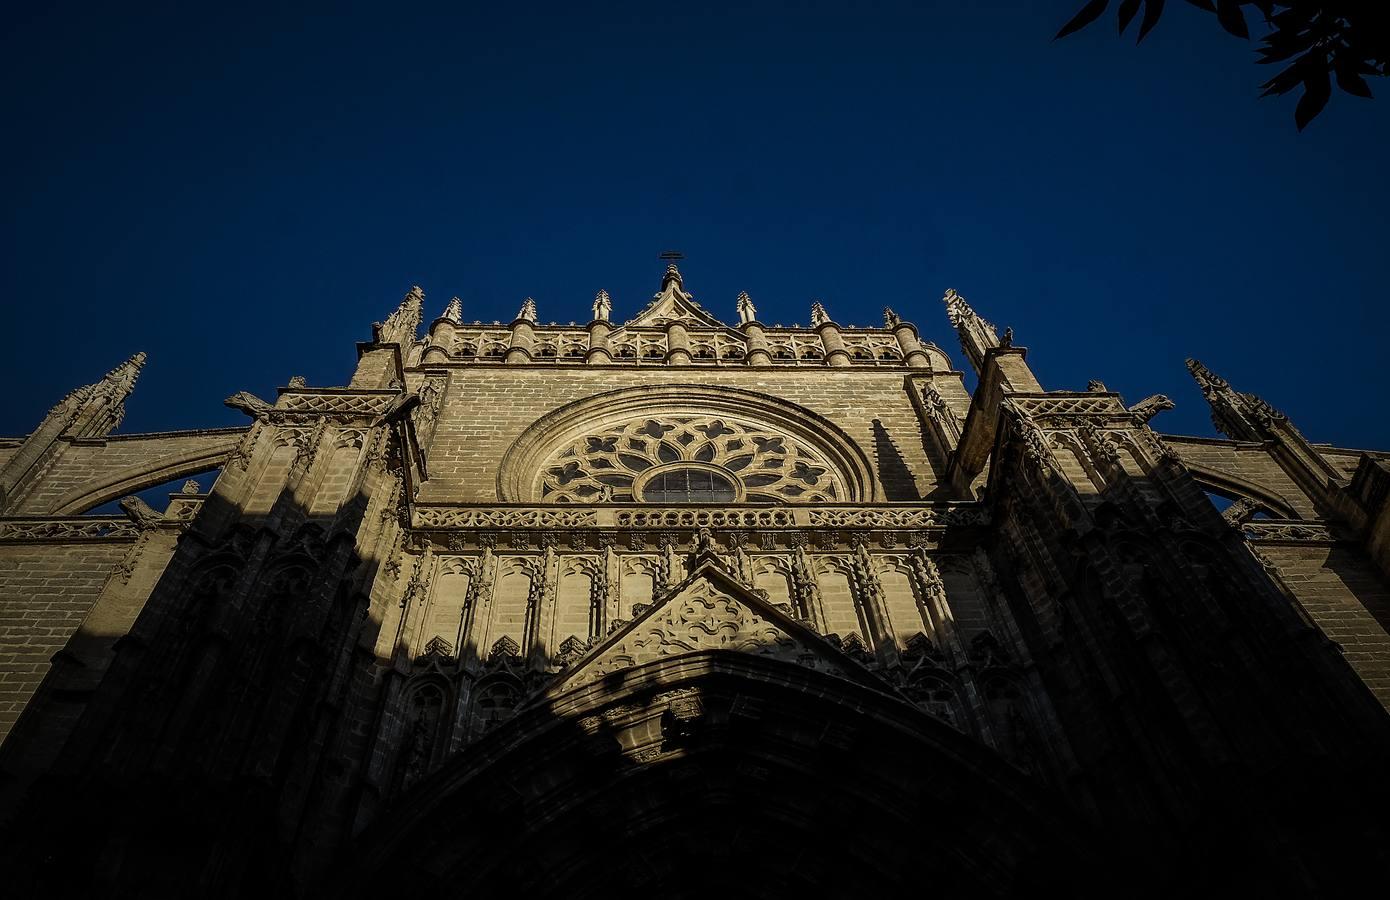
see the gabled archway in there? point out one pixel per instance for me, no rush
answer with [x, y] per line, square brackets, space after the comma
[687, 757]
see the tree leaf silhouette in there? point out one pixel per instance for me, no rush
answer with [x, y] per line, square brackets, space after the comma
[1152, 10]
[1089, 13]
[1128, 10]
[1349, 80]
[1317, 87]
[1228, 13]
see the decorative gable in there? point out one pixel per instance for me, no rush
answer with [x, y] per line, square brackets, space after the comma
[710, 610]
[673, 304]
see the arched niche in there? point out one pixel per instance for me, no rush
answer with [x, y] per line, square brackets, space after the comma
[724, 774]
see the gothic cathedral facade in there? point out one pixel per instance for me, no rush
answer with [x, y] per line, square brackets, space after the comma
[675, 606]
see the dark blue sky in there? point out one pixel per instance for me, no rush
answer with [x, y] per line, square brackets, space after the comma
[241, 192]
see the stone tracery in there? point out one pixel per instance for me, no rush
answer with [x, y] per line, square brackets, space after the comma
[612, 463]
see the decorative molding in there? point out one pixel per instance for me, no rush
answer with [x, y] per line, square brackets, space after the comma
[1276, 531]
[684, 517]
[898, 518]
[69, 528]
[457, 517]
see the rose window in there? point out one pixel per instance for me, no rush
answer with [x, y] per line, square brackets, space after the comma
[690, 459]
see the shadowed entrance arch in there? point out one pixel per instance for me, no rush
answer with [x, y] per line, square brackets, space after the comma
[721, 772]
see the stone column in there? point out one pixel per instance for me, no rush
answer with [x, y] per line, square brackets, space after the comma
[756, 340]
[599, 351]
[677, 344]
[523, 334]
[908, 340]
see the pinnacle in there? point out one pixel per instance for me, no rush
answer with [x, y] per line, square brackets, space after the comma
[135, 363]
[672, 274]
[454, 311]
[1203, 374]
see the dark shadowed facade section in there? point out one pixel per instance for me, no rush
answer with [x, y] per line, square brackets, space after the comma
[677, 607]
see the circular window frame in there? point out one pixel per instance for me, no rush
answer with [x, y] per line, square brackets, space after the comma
[639, 483]
[517, 473]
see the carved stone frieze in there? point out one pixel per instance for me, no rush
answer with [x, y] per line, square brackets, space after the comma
[456, 517]
[355, 405]
[836, 517]
[69, 528]
[1271, 530]
[1078, 405]
[695, 518]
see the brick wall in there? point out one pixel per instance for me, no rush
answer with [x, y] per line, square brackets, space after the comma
[45, 591]
[1249, 463]
[1345, 595]
[124, 464]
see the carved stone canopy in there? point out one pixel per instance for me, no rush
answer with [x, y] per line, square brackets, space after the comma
[711, 611]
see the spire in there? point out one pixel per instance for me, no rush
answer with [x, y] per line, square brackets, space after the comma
[890, 318]
[746, 312]
[818, 314]
[977, 336]
[1241, 417]
[400, 327]
[103, 404]
[672, 274]
[603, 306]
[454, 311]
[122, 378]
[528, 310]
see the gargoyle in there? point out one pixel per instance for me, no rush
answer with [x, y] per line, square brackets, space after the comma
[140, 512]
[248, 403]
[1149, 407]
[400, 408]
[1241, 511]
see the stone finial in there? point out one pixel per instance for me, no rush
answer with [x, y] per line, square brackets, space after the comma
[976, 335]
[528, 310]
[298, 381]
[1239, 416]
[121, 380]
[191, 486]
[400, 327]
[746, 311]
[603, 306]
[957, 310]
[98, 409]
[454, 311]
[890, 318]
[818, 314]
[672, 274]
[1206, 379]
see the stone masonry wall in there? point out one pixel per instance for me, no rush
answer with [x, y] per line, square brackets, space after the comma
[486, 409]
[1345, 595]
[111, 467]
[1250, 463]
[45, 591]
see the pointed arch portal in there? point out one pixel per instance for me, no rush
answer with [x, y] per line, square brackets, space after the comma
[721, 772]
